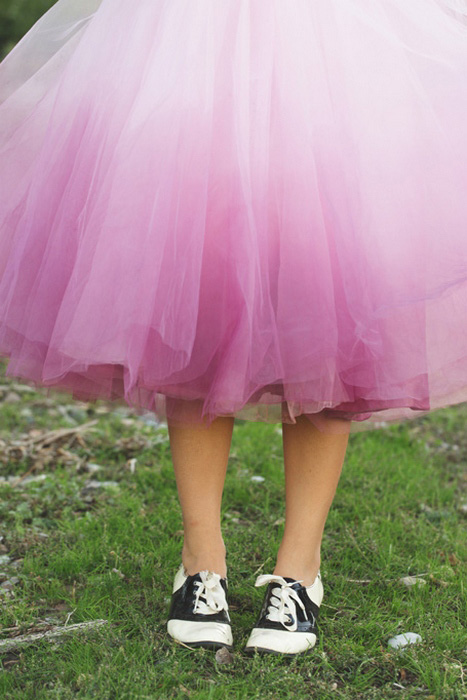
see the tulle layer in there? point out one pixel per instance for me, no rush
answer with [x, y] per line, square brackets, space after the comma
[241, 208]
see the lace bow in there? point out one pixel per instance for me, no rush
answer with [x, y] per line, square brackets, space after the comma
[210, 590]
[281, 608]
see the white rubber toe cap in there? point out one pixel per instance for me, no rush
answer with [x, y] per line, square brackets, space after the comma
[280, 641]
[188, 632]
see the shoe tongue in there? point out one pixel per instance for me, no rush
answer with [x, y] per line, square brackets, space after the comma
[296, 584]
[197, 577]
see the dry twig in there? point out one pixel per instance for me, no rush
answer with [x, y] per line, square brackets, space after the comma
[50, 635]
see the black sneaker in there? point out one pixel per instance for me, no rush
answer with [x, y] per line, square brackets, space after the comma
[199, 613]
[287, 622]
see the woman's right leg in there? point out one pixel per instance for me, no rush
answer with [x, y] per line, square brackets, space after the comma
[200, 458]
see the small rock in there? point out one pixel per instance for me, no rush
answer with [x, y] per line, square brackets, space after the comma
[30, 479]
[94, 484]
[10, 583]
[78, 414]
[232, 518]
[27, 479]
[463, 508]
[117, 571]
[224, 656]
[257, 479]
[402, 640]
[4, 559]
[92, 467]
[412, 581]
[12, 397]
[425, 509]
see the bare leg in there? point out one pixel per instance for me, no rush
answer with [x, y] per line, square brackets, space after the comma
[200, 458]
[313, 462]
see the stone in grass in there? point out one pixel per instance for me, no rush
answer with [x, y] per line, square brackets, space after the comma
[412, 581]
[92, 467]
[402, 640]
[257, 479]
[94, 484]
[10, 583]
[224, 656]
[11, 397]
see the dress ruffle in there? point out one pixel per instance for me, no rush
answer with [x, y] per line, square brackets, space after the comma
[239, 208]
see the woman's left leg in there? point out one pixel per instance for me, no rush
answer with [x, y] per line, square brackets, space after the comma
[313, 462]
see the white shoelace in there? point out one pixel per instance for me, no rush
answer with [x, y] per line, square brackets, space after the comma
[281, 608]
[211, 590]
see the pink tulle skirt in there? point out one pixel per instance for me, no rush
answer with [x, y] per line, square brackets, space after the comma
[253, 208]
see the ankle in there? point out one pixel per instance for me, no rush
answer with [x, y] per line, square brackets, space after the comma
[303, 569]
[204, 557]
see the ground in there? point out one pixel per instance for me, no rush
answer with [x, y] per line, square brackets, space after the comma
[91, 530]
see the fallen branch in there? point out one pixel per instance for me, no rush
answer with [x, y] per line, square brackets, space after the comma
[54, 435]
[50, 635]
[378, 580]
[46, 439]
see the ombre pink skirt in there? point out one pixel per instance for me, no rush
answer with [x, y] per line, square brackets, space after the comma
[252, 208]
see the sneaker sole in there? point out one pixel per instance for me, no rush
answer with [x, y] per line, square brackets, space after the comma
[202, 644]
[262, 651]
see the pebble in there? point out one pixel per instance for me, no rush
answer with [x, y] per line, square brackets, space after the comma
[257, 479]
[11, 397]
[402, 640]
[94, 484]
[224, 656]
[27, 479]
[412, 580]
[92, 467]
[10, 583]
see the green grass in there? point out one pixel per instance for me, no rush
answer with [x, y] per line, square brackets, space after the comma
[112, 554]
